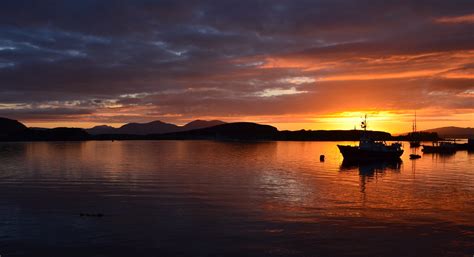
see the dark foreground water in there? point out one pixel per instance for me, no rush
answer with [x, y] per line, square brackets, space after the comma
[203, 198]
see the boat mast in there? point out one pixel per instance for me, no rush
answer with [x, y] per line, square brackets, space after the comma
[413, 126]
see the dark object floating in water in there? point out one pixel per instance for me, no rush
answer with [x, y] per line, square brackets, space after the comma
[369, 149]
[321, 157]
[439, 147]
[99, 215]
[415, 156]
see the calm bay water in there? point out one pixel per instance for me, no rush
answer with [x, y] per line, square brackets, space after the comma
[204, 198]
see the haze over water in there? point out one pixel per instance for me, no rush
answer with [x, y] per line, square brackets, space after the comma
[205, 198]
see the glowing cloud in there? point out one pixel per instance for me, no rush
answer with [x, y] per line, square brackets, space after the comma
[270, 92]
[469, 18]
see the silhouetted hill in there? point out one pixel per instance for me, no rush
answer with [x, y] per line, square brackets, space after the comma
[199, 124]
[12, 130]
[102, 129]
[9, 127]
[453, 132]
[154, 127]
[227, 131]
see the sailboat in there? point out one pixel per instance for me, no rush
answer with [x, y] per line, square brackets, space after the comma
[414, 142]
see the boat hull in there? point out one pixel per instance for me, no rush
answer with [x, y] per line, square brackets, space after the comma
[355, 153]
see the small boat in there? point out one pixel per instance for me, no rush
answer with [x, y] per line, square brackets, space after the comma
[415, 156]
[369, 149]
[440, 147]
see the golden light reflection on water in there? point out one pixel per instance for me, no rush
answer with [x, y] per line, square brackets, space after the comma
[267, 194]
[283, 180]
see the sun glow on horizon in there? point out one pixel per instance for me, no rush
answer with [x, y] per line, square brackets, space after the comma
[394, 122]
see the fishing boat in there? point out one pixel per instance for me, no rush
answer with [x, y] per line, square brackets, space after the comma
[369, 149]
[414, 135]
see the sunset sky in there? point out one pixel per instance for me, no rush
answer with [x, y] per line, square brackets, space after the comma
[292, 64]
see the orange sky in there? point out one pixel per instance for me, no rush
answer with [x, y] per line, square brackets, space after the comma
[319, 65]
[393, 122]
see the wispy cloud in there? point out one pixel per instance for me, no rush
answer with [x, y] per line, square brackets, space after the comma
[468, 18]
[269, 92]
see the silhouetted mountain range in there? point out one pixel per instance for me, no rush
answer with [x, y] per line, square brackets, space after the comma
[12, 130]
[154, 127]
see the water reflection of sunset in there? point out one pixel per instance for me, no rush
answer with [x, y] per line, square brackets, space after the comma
[278, 187]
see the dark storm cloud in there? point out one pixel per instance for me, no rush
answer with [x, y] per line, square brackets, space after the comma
[211, 57]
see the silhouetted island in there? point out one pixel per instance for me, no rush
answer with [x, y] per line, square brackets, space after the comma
[12, 130]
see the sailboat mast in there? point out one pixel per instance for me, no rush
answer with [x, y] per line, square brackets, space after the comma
[414, 124]
[365, 121]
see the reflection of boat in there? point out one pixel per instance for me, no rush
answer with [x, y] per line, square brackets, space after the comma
[414, 142]
[440, 147]
[415, 156]
[369, 149]
[371, 167]
[369, 170]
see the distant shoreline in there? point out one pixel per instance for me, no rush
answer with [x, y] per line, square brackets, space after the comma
[12, 130]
